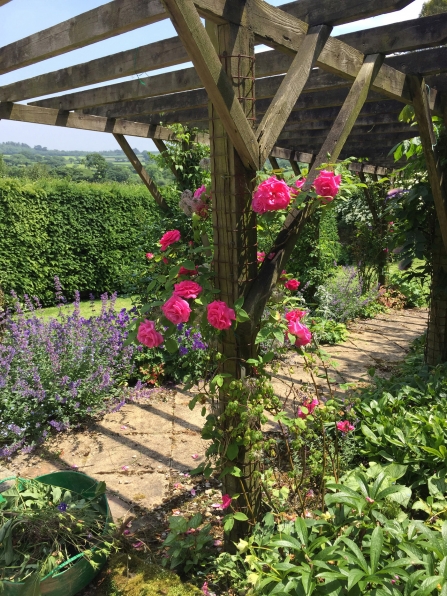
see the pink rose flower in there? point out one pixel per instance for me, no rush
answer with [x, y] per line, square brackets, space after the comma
[292, 285]
[148, 335]
[200, 191]
[205, 589]
[301, 332]
[220, 315]
[190, 272]
[295, 315]
[271, 195]
[176, 310]
[149, 255]
[169, 238]
[187, 289]
[310, 405]
[327, 184]
[226, 501]
[260, 256]
[299, 185]
[344, 426]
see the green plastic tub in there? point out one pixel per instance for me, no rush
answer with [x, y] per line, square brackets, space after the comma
[64, 581]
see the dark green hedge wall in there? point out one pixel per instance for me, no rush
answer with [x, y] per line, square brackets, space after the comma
[87, 234]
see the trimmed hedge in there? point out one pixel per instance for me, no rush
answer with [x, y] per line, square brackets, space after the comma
[87, 234]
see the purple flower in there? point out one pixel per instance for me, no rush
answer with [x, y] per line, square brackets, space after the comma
[183, 351]
[62, 507]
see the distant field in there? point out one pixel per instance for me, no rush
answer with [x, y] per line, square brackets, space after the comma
[86, 308]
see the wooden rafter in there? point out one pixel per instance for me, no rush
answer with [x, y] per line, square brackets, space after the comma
[3, 2]
[139, 168]
[290, 89]
[37, 115]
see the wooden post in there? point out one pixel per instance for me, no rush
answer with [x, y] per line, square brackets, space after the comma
[234, 232]
[149, 183]
[436, 349]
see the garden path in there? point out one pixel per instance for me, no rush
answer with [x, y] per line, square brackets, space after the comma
[146, 448]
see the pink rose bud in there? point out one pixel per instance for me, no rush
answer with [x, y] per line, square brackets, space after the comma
[187, 289]
[226, 501]
[298, 186]
[295, 315]
[260, 256]
[169, 238]
[149, 255]
[165, 260]
[220, 315]
[271, 195]
[148, 335]
[176, 310]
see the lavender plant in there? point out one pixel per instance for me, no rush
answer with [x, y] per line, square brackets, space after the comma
[55, 373]
[342, 298]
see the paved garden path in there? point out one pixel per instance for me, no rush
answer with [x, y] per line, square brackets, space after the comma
[145, 449]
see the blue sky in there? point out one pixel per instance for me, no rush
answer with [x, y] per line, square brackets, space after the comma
[20, 18]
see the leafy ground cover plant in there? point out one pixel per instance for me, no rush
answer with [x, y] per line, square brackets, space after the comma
[43, 526]
[57, 372]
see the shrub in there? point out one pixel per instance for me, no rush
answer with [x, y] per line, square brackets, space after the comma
[55, 373]
[87, 234]
[415, 290]
[342, 298]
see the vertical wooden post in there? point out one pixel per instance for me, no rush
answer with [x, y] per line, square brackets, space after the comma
[436, 349]
[234, 229]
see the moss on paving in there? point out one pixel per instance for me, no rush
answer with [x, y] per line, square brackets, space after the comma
[128, 575]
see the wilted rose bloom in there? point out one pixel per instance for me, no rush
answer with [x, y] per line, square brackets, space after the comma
[270, 256]
[271, 195]
[220, 315]
[292, 284]
[176, 310]
[187, 289]
[190, 203]
[310, 405]
[149, 255]
[327, 184]
[169, 238]
[345, 426]
[190, 272]
[200, 191]
[260, 256]
[205, 163]
[295, 315]
[205, 589]
[226, 501]
[148, 335]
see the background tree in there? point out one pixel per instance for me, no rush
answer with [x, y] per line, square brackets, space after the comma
[98, 164]
[433, 7]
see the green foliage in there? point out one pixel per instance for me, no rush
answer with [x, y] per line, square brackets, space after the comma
[433, 7]
[327, 331]
[42, 526]
[87, 234]
[415, 289]
[188, 544]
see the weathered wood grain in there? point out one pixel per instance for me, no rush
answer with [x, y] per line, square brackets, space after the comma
[167, 52]
[3, 2]
[415, 34]
[38, 115]
[344, 11]
[138, 166]
[290, 89]
[214, 78]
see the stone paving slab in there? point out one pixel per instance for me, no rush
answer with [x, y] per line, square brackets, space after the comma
[140, 449]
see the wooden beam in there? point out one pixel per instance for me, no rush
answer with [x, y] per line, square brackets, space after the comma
[189, 27]
[416, 34]
[138, 166]
[348, 114]
[290, 89]
[428, 140]
[337, 13]
[167, 52]
[3, 2]
[89, 27]
[37, 115]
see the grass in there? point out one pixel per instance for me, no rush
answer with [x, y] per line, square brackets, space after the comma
[86, 308]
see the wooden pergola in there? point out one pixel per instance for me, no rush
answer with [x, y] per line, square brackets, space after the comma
[309, 97]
